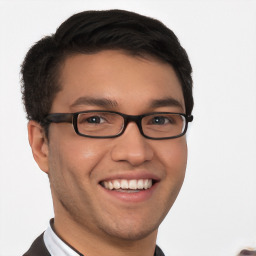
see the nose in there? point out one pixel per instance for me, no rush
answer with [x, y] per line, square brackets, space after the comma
[132, 147]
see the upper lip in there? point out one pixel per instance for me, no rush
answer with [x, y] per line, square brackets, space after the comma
[131, 175]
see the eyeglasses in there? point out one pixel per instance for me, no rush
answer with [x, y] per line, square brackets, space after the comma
[110, 124]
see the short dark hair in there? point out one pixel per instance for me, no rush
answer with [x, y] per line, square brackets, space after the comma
[91, 32]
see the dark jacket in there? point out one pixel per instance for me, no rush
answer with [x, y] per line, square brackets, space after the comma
[38, 248]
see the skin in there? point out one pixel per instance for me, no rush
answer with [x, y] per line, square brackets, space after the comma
[85, 215]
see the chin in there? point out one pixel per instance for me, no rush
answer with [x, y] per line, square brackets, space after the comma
[131, 231]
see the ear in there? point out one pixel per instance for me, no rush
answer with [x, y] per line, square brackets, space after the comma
[39, 145]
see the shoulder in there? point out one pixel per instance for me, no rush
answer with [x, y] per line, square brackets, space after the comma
[158, 252]
[38, 248]
[247, 253]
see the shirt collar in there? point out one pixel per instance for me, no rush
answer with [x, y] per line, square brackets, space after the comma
[55, 245]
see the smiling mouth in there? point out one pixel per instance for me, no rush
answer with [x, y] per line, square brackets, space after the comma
[128, 186]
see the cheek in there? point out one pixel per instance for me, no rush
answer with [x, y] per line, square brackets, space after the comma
[73, 161]
[173, 156]
[71, 173]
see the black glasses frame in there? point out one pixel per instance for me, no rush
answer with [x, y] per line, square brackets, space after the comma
[72, 118]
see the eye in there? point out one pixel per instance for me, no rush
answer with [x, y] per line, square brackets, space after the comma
[94, 120]
[160, 120]
[86, 119]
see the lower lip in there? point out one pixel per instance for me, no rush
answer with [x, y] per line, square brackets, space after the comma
[131, 197]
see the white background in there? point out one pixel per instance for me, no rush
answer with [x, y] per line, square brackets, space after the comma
[215, 213]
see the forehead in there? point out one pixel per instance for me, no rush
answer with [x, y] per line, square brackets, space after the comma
[116, 76]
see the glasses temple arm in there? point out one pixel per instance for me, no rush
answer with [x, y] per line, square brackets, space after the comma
[59, 118]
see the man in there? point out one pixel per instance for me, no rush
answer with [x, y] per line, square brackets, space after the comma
[108, 99]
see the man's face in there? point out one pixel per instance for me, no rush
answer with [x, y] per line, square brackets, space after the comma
[78, 166]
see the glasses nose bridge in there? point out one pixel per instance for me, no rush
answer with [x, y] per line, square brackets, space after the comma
[135, 119]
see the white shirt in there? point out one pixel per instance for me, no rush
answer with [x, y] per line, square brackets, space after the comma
[56, 246]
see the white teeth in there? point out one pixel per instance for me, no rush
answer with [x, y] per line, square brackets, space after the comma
[128, 184]
[132, 184]
[140, 184]
[124, 184]
[145, 184]
[110, 185]
[116, 184]
[149, 183]
[105, 184]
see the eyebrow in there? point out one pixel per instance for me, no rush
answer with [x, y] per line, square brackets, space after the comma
[101, 102]
[104, 102]
[166, 102]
